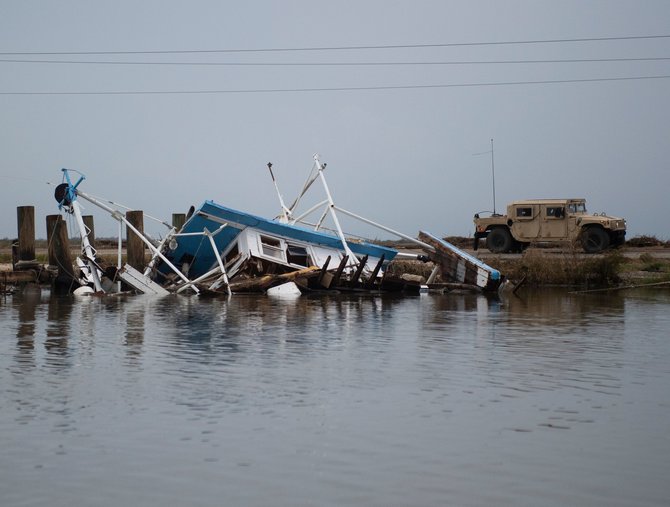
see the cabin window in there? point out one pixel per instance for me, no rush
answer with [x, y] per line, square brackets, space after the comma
[297, 255]
[524, 212]
[271, 247]
[555, 212]
[577, 207]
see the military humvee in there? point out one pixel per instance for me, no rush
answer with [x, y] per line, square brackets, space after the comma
[549, 220]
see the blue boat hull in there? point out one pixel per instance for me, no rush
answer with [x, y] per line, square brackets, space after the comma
[194, 248]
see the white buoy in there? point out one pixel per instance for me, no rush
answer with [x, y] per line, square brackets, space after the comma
[285, 289]
[84, 290]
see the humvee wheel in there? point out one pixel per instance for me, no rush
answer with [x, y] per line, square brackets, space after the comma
[499, 240]
[594, 240]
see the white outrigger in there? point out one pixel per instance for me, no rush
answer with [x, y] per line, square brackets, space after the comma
[219, 249]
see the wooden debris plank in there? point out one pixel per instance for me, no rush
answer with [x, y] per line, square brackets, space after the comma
[359, 270]
[459, 266]
[262, 283]
[370, 283]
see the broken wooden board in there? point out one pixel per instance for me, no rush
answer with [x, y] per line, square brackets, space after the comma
[459, 266]
[140, 282]
[262, 283]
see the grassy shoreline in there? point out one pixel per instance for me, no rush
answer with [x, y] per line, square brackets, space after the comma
[577, 271]
[540, 268]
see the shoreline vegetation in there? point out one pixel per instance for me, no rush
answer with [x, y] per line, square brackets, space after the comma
[643, 260]
[536, 268]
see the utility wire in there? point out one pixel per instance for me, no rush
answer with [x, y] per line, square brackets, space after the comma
[336, 64]
[340, 89]
[340, 48]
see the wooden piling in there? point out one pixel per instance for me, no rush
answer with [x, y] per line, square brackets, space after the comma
[324, 271]
[88, 222]
[178, 220]
[26, 245]
[60, 254]
[61, 249]
[370, 283]
[359, 271]
[135, 247]
[52, 224]
[336, 277]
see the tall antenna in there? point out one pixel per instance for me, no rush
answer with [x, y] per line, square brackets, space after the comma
[493, 178]
[493, 174]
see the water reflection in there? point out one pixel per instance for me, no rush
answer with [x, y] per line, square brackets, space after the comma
[537, 342]
[411, 400]
[556, 308]
[205, 352]
[58, 329]
[135, 324]
[26, 304]
[252, 321]
[543, 321]
[202, 349]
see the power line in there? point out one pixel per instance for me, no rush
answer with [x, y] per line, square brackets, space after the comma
[341, 48]
[340, 89]
[336, 64]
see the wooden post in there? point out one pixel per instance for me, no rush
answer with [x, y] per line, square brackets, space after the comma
[324, 270]
[359, 270]
[26, 224]
[338, 273]
[61, 249]
[178, 220]
[135, 247]
[371, 281]
[88, 222]
[60, 255]
[52, 224]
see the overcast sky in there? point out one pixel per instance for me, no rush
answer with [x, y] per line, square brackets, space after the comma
[407, 145]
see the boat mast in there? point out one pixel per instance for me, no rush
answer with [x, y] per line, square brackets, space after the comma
[69, 201]
[331, 208]
[285, 212]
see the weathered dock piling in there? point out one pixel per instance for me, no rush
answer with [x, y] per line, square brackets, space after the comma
[135, 247]
[25, 254]
[52, 230]
[59, 255]
[25, 267]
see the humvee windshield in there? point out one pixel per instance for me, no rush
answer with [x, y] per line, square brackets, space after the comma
[577, 207]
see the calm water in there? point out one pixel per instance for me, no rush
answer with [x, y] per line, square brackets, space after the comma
[549, 399]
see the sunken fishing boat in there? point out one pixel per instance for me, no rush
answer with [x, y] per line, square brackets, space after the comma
[220, 250]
